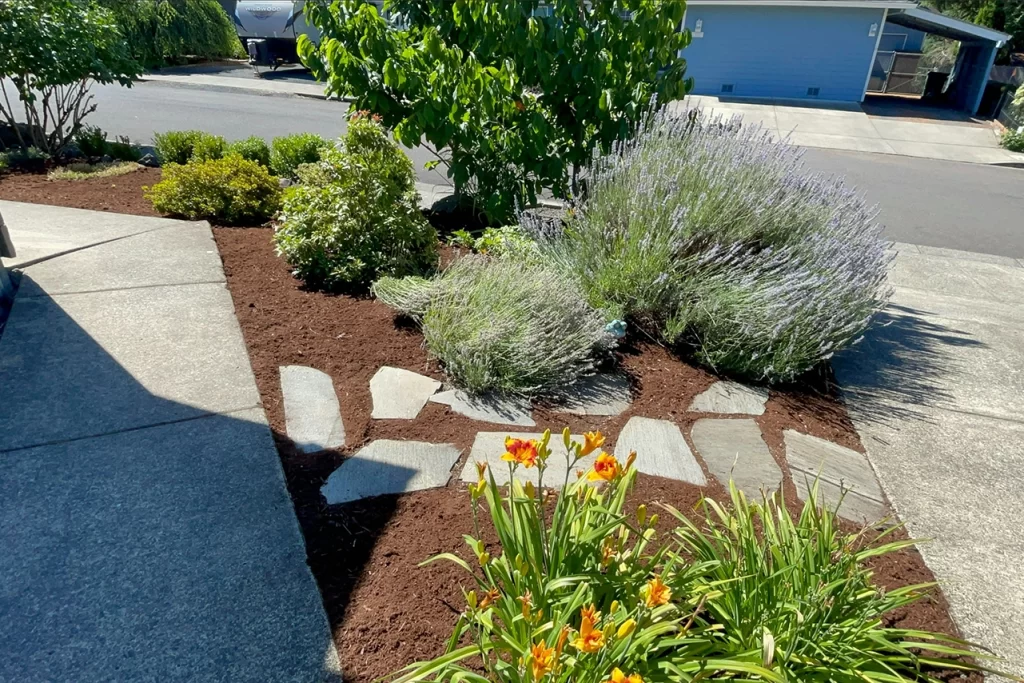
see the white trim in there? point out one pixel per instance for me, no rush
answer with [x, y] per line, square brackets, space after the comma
[874, 53]
[879, 4]
[928, 17]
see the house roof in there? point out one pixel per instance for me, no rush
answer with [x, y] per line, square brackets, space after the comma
[880, 4]
[929, 21]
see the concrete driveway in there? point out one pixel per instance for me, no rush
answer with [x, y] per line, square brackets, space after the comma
[886, 130]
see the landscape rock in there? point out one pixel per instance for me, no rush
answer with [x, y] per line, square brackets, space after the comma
[388, 466]
[285, 182]
[149, 160]
[730, 398]
[487, 408]
[734, 448]
[661, 450]
[400, 394]
[601, 395]
[311, 412]
[490, 446]
[838, 469]
[106, 159]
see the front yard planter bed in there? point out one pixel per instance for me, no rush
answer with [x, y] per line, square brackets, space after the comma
[384, 610]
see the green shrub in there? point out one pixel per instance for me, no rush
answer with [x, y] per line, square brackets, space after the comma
[800, 595]
[355, 215]
[502, 324]
[289, 152]
[1013, 140]
[508, 240]
[183, 146]
[4, 163]
[253, 148]
[32, 157]
[91, 141]
[713, 237]
[232, 190]
[162, 32]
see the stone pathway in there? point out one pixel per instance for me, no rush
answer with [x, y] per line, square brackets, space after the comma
[731, 447]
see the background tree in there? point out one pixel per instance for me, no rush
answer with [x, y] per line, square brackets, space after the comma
[513, 96]
[51, 53]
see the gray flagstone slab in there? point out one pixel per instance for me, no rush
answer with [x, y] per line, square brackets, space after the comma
[388, 466]
[838, 470]
[601, 395]
[661, 450]
[734, 449]
[311, 412]
[400, 394]
[730, 398]
[503, 410]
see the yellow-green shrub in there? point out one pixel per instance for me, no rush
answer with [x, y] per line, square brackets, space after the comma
[232, 190]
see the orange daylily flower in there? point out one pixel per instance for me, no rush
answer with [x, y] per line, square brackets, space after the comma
[481, 470]
[521, 451]
[619, 677]
[606, 467]
[542, 659]
[489, 597]
[591, 442]
[655, 593]
[526, 600]
[591, 639]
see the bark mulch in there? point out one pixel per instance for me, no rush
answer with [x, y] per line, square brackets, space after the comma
[385, 611]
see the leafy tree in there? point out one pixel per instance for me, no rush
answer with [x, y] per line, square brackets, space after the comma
[161, 32]
[513, 95]
[52, 51]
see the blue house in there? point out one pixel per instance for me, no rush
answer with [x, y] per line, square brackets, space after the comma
[819, 49]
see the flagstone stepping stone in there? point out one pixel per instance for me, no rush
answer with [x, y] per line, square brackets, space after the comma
[838, 469]
[733, 449]
[487, 408]
[400, 394]
[311, 413]
[661, 450]
[730, 397]
[388, 466]
[602, 395]
[490, 446]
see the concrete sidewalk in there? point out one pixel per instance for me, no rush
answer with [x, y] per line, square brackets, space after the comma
[937, 395]
[851, 128]
[147, 530]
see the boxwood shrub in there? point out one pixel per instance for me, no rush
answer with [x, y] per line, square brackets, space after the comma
[288, 152]
[253, 148]
[355, 214]
[183, 146]
[230, 190]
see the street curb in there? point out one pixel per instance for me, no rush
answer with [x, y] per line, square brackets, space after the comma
[229, 87]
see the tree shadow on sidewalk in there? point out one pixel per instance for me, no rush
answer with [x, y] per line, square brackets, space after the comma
[899, 370]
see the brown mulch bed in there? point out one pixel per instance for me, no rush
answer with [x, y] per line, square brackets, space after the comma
[120, 194]
[385, 611]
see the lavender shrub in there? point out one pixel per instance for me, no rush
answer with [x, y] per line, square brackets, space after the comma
[712, 235]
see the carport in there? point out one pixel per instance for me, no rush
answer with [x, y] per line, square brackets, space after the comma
[978, 46]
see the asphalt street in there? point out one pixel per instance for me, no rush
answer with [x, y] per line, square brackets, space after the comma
[938, 203]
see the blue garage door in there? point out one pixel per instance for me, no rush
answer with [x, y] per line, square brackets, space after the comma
[771, 51]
